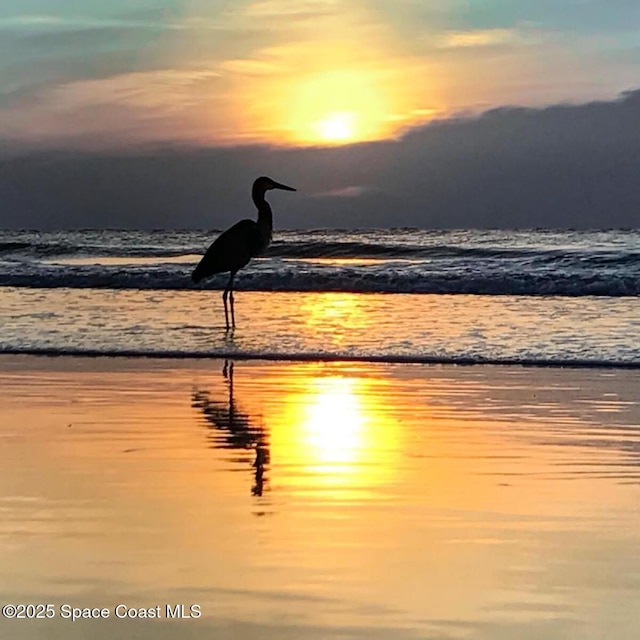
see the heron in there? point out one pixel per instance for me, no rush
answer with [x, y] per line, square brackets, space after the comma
[233, 249]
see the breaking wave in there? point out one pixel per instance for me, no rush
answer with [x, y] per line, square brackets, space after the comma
[533, 263]
[347, 279]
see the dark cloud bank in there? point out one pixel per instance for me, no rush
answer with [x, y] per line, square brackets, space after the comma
[562, 166]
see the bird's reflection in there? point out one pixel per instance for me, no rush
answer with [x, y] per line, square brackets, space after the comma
[236, 428]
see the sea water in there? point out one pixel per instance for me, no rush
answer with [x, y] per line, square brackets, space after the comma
[401, 498]
[544, 297]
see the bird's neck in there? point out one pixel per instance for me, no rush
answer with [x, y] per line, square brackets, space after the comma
[265, 217]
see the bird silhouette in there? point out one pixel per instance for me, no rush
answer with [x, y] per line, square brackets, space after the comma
[233, 249]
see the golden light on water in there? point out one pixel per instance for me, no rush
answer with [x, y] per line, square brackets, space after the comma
[422, 493]
[334, 424]
[335, 315]
[335, 431]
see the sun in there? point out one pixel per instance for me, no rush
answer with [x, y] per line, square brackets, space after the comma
[337, 127]
[340, 106]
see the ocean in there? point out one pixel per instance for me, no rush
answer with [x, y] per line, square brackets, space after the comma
[461, 296]
[327, 470]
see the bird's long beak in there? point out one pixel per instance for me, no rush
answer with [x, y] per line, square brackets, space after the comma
[278, 185]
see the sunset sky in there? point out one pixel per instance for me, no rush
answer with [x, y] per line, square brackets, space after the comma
[95, 77]
[296, 72]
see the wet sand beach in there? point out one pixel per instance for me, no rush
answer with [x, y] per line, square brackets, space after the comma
[319, 500]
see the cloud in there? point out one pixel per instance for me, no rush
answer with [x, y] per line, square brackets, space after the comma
[343, 192]
[33, 24]
[31, 20]
[60, 51]
[47, 23]
[560, 166]
[40, 52]
[110, 109]
[487, 38]
[290, 8]
[253, 67]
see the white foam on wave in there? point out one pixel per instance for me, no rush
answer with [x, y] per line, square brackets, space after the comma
[321, 356]
[174, 275]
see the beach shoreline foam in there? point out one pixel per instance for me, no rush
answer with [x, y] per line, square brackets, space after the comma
[326, 357]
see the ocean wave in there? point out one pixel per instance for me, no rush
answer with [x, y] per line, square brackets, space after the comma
[13, 247]
[49, 250]
[354, 249]
[279, 249]
[394, 279]
[310, 249]
[375, 261]
[540, 248]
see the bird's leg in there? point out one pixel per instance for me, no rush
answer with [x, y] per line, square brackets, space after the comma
[233, 314]
[226, 312]
[228, 292]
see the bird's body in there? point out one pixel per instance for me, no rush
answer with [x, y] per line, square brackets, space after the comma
[233, 249]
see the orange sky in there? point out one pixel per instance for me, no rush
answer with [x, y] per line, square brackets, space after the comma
[285, 72]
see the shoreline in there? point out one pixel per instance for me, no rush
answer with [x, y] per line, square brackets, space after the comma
[324, 358]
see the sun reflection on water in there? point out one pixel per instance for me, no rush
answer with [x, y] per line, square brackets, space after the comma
[321, 428]
[334, 424]
[334, 433]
